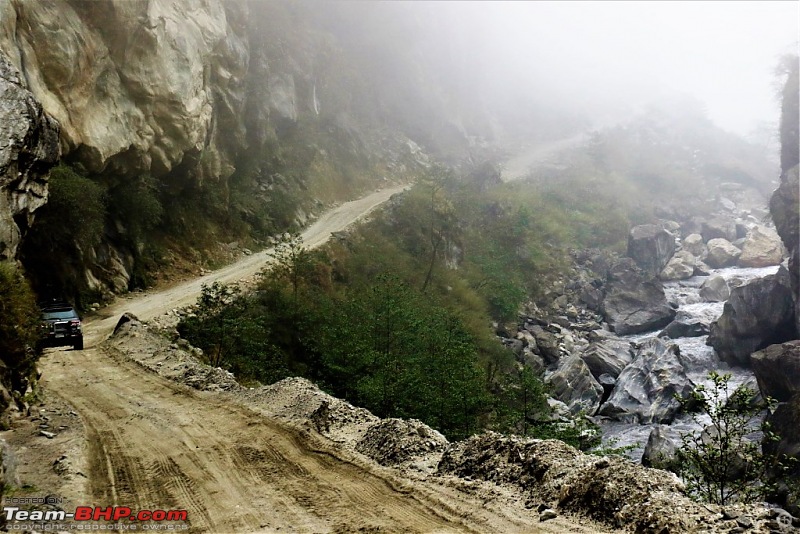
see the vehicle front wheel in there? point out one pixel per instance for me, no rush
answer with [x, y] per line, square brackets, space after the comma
[78, 344]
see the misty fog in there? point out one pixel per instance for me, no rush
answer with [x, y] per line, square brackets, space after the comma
[603, 60]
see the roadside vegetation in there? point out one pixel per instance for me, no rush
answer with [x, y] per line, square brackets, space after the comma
[397, 315]
[725, 462]
[19, 332]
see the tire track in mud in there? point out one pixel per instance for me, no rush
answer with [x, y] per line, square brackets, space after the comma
[233, 469]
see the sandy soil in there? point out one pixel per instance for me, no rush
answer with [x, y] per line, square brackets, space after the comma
[125, 435]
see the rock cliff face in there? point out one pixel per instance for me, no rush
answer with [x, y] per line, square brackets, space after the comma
[144, 86]
[785, 202]
[190, 91]
[28, 148]
[136, 86]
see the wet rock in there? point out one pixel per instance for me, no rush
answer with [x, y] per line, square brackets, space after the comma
[651, 247]
[715, 289]
[762, 248]
[721, 253]
[646, 389]
[607, 356]
[633, 303]
[694, 244]
[756, 315]
[679, 267]
[573, 384]
[777, 370]
[662, 447]
[677, 329]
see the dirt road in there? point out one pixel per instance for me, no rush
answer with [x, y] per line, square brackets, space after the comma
[154, 444]
[523, 163]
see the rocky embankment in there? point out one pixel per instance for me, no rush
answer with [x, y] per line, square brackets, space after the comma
[549, 476]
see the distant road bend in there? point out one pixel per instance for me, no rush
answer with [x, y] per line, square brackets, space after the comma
[521, 165]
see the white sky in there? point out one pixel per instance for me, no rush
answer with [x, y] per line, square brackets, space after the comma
[623, 53]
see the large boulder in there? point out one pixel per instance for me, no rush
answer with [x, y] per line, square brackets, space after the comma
[607, 356]
[717, 228]
[785, 422]
[694, 244]
[680, 266]
[785, 209]
[28, 149]
[677, 329]
[646, 389]
[662, 448]
[761, 248]
[651, 247]
[715, 289]
[756, 315]
[784, 206]
[634, 303]
[546, 344]
[721, 253]
[573, 384]
[777, 369]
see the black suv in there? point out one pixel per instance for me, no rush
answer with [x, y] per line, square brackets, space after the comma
[61, 326]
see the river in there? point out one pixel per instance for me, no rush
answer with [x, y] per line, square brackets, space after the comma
[698, 357]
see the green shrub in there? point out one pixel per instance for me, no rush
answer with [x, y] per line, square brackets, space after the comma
[19, 328]
[136, 204]
[74, 214]
[724, 463]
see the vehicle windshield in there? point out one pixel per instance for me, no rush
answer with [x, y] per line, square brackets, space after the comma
[65, 313]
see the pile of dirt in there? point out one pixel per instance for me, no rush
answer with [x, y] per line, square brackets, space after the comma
[393, 442]
[299, 401]
[149, 347]
[611, 490]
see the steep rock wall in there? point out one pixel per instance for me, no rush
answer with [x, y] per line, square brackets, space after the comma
[135, 85]
[785, 202]
[28, 148]
[192, 91]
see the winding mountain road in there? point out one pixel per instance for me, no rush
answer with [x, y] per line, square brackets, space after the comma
[154, 444]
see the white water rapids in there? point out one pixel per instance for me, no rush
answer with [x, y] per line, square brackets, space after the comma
[698, 358]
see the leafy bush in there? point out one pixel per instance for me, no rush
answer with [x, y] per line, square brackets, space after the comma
[19, 329]
[74, 213]
[56, 249]
[231, 335]
[724, 463]
[137, 205]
